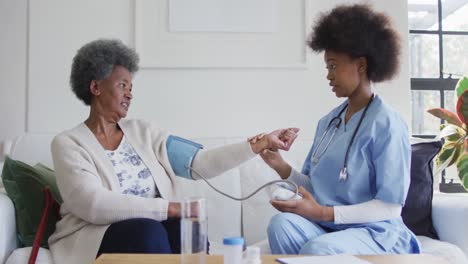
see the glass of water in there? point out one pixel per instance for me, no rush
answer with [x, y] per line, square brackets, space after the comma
[194, 231]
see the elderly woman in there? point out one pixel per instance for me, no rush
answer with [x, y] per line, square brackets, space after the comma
[356, 177]
[116, 176]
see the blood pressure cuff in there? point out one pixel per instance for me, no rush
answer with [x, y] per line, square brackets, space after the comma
[181, 153]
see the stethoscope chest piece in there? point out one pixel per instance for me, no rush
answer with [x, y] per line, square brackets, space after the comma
[343, 174]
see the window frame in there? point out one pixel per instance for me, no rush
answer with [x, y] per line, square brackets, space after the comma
[440, 84]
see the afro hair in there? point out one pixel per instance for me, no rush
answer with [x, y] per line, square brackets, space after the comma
[359, 31]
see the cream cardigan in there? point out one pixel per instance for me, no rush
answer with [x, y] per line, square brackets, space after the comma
[89, 187]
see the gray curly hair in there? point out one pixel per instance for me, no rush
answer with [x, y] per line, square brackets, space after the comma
[95, 61]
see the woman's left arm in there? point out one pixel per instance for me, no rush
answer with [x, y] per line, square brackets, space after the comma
[213, 162]
[367, 212]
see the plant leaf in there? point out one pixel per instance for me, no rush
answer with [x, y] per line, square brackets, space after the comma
[462, 107]
[466, 144]
[459, 150]
[461, 86]
[456, 137]
[462, 167]
[447, 115]
[445, 157]
[449, 130]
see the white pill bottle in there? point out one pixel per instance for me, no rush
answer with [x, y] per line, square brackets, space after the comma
[232, 250]
[252, 256]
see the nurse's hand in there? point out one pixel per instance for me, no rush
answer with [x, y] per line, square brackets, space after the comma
[307, 207]
[278, 139]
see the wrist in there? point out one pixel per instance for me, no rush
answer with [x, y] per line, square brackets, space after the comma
[173, 210]
[328, 214]
[283, 169]
[259, 146]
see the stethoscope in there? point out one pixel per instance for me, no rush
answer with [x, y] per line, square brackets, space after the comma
[336, 122]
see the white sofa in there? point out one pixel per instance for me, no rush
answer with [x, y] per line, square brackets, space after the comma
[231, 218]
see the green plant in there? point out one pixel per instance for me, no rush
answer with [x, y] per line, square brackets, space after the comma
[454, 131]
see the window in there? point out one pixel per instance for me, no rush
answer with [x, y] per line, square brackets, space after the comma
[438, 48]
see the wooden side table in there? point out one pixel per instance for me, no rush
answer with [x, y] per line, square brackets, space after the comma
[266, 259]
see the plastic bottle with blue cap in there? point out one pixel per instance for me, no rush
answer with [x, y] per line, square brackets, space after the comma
[233, 250]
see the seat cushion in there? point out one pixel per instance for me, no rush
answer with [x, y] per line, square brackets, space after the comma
[21, 255]
[224, 214]
[257, 211]
[449, 215]
[24, 185]
[418, 205]
[8, 240]
[448, 251]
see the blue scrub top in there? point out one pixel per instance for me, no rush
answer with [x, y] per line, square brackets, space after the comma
[378, 166]
[379, 159]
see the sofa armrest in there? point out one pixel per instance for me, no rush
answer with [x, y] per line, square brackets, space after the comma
[8, 240]
[449, 215]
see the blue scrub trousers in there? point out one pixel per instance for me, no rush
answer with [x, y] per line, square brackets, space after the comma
[292, 234]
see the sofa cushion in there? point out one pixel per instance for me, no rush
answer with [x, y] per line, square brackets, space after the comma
[449, 214]
[21, 255]
[8, 238]
[224, 214]
[33, 148]
[448, 251]
[24, 185]
[257, 211]
[2, 189]
[418, 206]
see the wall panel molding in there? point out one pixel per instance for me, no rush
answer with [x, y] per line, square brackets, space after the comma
[161, 48]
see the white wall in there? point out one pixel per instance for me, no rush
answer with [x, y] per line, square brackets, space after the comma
[39, 39]
[13, 39]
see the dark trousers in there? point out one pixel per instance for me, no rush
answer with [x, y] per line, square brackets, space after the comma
[142, 235]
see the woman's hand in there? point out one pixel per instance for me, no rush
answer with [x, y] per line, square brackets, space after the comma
[306, 207]
[278, 139]
[173, 210]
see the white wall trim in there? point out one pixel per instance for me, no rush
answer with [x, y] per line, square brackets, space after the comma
[142, 32]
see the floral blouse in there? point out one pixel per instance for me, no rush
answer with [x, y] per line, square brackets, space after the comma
[134, 177]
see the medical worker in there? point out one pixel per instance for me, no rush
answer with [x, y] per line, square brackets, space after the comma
[356, 176]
